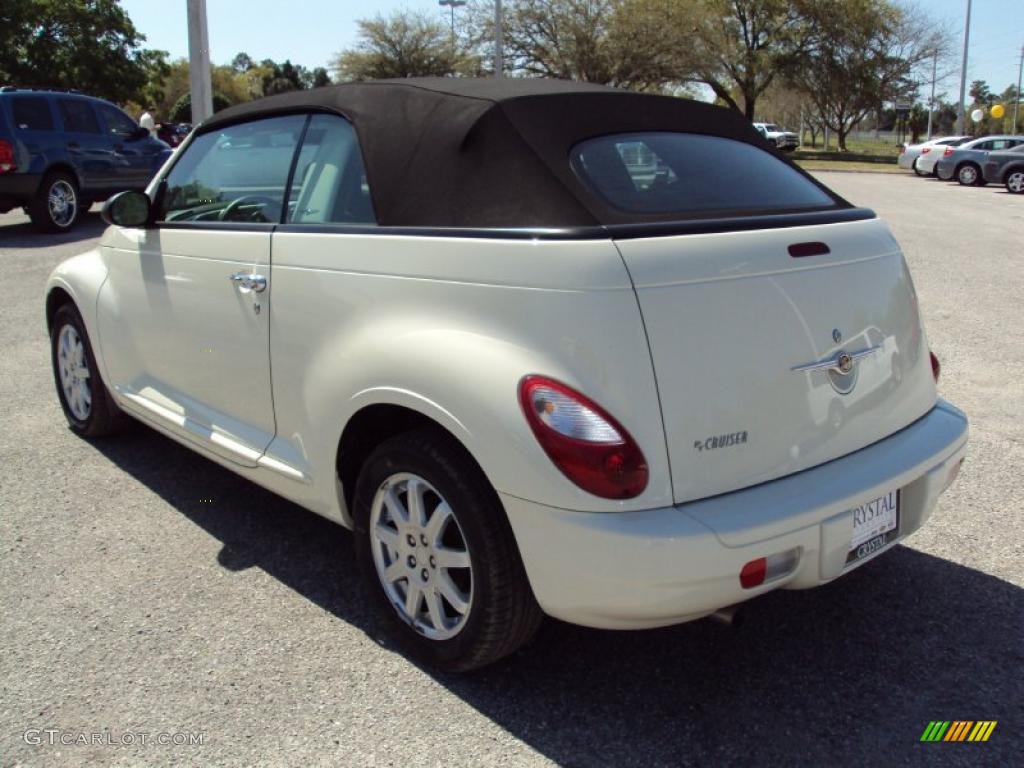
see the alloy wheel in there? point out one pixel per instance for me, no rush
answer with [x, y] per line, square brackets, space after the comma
[1015, 182]
[62, 203]
[967, 175]
[73, 368]
[421, 556]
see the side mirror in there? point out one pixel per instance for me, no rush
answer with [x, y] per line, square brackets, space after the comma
[127, 209]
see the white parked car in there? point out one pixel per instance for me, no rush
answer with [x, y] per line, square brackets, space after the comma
[444, 313]
[910, 154]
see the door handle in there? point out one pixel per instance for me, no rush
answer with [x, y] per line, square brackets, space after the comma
[249, 283]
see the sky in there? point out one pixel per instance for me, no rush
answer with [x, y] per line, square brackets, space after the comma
[311, 32]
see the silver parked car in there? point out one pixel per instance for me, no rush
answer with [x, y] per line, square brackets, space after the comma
[1006, 167]
[912, 153]
[964, 163]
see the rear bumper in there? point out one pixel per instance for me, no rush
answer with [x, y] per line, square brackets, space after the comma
[945, 170]
[628, 570]
[17, 189]
[906, 160]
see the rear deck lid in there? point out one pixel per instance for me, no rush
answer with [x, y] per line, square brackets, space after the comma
[778, 343]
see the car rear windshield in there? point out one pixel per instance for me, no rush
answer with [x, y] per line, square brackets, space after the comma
[691, 174]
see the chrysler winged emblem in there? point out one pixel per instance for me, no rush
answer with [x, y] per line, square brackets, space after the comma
[842, 362]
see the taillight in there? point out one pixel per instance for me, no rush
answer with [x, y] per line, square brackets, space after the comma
[936, 368]
[948, 152]
[583, 440]
[926, 150]
[7, 157]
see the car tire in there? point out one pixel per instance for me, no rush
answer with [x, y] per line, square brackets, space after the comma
[87, 405]
[968, 175]
[1015, 181]
[461, 618]
[917, 170]
[56, 205]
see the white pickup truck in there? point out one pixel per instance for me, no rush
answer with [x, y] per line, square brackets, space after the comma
[783, 139]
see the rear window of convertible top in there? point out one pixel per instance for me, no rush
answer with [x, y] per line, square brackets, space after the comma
[690, 174]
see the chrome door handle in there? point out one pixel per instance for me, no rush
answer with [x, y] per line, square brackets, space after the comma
[247, 282]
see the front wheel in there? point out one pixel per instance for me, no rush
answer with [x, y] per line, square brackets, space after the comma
[1015, 182]
[88, 407]
[56, 205]
[438, 555]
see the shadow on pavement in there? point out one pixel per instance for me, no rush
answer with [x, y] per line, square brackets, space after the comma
[850, 673]
[23, 235]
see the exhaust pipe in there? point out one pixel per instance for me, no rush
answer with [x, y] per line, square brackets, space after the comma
[731, 615]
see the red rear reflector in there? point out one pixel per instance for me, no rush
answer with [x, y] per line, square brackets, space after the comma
[936, 367]
[586, 444]
[753, 573]
[7, 157]
[798, 250]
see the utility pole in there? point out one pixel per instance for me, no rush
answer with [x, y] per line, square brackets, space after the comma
[1016, 103]
[499, 56]
[199, 62]
[452, 4]
[931, 101]
[960, 122]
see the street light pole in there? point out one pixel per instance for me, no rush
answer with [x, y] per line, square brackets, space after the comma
[452, 4]
[199, 61]
[1016, 103]
[499, 55]
[960, 122]
[931, 101]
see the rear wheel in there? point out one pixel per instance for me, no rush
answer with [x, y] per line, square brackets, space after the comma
[88, 407]
[1015, 182]
[56, 205]
[438, 555]
[969, 175]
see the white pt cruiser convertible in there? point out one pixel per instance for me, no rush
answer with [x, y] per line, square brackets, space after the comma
[547, 348]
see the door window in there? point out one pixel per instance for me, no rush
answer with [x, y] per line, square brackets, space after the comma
[77, 116]
[236, 173]
[32, 113]
[117, 122]
[330, 183]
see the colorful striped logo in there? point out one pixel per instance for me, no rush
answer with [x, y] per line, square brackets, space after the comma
[958, 730]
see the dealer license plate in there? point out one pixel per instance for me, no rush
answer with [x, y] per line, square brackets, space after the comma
[876, 523]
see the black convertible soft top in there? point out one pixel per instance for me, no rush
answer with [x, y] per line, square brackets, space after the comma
[463, 152]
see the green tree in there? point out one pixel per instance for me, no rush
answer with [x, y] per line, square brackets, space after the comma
[404, 44]
[320, 78]
[89, 45]
[864, 54]
[181, 112]
[739, 47]
[980, 93]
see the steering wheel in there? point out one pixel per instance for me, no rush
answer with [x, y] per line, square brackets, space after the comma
[234, 205]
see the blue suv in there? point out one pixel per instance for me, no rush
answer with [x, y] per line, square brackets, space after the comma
[62, 151]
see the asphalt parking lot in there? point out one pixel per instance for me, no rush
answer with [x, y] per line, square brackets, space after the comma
[144, 589]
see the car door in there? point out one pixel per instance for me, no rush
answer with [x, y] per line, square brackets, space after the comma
[133, 150]
[88, 148]
[184, 315]
[33, 129]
